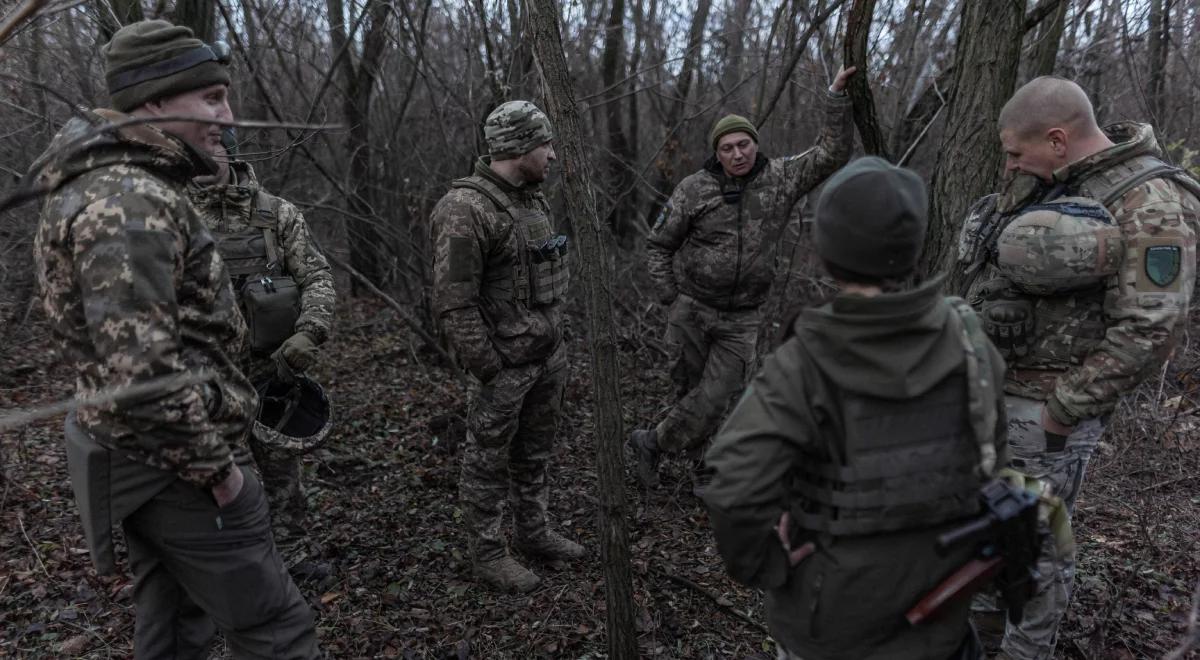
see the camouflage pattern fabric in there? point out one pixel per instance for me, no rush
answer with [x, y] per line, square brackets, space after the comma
[475, 242]
[515, 128]
[514, 348]
[1092, 346]
[226, 209]
[716, 238]
[1035, 636]
[713, 354]
[1089, 346]
[134, 289]
[511, 423]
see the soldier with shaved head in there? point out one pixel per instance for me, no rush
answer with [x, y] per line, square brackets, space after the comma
[1082, 271]
[500, 276]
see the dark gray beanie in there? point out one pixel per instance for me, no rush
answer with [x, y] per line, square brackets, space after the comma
[871, 218]
[151, 60]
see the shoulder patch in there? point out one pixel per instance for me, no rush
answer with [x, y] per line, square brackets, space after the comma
[1163, 263]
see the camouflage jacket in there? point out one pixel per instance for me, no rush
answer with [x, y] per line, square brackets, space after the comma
[226, 209]
[472, 240]
[716, 238]
[134, 289]
[1091, 346]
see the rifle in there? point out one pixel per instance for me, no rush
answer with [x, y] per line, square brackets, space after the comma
[1008, 540]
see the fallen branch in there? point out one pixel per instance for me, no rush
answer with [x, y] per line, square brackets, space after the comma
[717, 600]
[1168, 482]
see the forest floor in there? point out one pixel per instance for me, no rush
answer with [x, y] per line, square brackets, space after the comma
[384, 507]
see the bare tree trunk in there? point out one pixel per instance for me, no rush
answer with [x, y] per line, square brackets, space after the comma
[683, 84]
[1157, 48]
[858, 28]
[115, 13]
[199, 15]
[1045, 49]
[612, 69]
[986, 59]
[597, 277]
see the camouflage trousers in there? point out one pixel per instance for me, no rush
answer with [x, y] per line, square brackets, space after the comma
[1035, 636]
[511, 423]
[714, 354]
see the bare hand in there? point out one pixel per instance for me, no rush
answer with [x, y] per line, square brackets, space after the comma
[226, 491]
[1052, 425]
[839, 81]
[784, 532]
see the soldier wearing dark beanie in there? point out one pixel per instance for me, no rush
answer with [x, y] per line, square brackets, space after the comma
[871, 219]
[150, 60]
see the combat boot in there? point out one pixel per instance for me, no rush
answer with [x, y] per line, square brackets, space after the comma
[506, 574]
[550, 545]
[644, 444]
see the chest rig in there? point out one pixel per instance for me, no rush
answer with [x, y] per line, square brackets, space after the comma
[540, 271]
[906, 464]
[269, 296]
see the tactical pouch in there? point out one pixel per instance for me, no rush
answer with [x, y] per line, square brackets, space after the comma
[272, 307]
[549, 272]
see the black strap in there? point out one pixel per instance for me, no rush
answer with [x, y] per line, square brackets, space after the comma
[181, 62]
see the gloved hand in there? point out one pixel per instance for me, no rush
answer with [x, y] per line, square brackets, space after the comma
[299, 351]
[1056, 432]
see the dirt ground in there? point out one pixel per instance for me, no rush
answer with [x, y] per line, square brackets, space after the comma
[383, 498]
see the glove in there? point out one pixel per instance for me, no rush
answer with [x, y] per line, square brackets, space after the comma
[299, 351]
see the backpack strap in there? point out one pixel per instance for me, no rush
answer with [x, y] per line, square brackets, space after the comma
[267, 206]
[982, 383]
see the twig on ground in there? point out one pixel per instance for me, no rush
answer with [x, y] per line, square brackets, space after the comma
[1168, 482]
[36, 555]
[717, 600]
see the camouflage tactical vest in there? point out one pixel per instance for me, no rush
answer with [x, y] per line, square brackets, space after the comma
[270, 298]
[907, 464]
[1068, 326]
[540, 273]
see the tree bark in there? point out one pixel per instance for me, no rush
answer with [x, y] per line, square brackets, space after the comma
[199, 15]
[597, 276]
[1157, 47]
[858, 29]
[1045, 50]
[115, 13]
[986, 62]
[612, 70]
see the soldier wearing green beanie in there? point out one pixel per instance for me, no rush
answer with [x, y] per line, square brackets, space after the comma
[711, 256]
[863, 438]
[138, 296]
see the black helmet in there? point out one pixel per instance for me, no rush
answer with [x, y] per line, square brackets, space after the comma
[293, 417]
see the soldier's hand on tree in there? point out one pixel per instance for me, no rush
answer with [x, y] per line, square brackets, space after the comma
[784, 531]
[839, 81]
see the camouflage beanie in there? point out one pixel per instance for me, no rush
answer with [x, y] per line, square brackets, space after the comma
[515, 128]
[871, 219]
[150, 60]
[731, 124]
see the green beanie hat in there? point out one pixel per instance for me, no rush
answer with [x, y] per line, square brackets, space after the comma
[871, 218]
[150, 60]
[731, 124]
[515, 128]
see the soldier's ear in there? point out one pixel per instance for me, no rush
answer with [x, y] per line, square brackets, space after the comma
[1058, 139]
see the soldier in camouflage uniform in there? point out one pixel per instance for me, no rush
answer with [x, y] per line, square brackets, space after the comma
[1082, 272]
[499, 282]
[259, 233]
[711, 255]
[135, 292]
